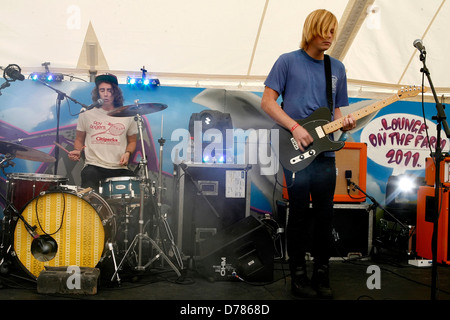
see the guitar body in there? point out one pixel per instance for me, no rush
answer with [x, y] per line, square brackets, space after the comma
[291, 157]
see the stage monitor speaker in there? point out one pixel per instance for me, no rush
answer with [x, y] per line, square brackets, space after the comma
[209, 197]
[426, 214]
[244, 249]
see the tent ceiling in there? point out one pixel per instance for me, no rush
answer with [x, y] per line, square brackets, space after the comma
[224, 43]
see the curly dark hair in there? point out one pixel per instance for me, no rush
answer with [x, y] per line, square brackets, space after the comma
[117, 92]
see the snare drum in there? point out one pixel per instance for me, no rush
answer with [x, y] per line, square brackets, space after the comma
[23, 187]
[120, 188]
[81, 225]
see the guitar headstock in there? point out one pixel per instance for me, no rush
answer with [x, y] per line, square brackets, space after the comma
[411, 91]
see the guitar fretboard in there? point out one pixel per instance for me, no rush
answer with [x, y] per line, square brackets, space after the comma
[405, 93]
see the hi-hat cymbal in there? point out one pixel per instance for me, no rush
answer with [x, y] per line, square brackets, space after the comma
[135, 109]
[24, 152]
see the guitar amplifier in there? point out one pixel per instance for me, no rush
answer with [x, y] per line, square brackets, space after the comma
[426, 216]
[351, 161]
[444, 172]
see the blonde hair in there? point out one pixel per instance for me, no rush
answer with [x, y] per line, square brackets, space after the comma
[317, 23]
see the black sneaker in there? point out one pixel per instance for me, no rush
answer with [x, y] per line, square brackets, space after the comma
[321, 282]
[301, 286]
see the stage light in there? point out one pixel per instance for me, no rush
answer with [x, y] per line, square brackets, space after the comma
[406, 184]
[211, 119]
[143, 81]
[401, 196]
[47, 77]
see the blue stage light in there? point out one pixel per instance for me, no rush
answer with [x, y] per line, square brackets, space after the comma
[47, 77]
[142, 82]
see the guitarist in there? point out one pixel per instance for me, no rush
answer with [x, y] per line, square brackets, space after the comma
[299, 77]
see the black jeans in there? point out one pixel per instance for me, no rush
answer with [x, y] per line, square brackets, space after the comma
[309, 229]
[92, 175]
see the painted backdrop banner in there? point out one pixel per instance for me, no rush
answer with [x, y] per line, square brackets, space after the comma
[398, 137]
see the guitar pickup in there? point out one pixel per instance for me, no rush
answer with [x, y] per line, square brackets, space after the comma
[303, 156]
[294, 144]
[320, 132]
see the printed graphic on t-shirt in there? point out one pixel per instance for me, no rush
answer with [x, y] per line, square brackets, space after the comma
[106, 132]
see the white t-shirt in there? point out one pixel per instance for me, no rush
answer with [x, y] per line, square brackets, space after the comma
[106, 137]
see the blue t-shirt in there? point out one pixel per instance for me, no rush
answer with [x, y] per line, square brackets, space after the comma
[300, 80]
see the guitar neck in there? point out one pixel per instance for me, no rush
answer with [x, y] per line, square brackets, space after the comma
[338, 124]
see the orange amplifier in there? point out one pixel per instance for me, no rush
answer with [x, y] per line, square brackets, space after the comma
[425, 223]
[353, 159]
[430, 172]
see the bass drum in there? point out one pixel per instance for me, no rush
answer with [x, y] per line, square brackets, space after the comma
[23, 187]
[80, 224]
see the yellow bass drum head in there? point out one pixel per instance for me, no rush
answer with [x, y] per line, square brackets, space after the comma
[71, 221]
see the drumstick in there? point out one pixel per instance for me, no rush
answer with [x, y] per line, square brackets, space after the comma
[56, 143]
[83, 191]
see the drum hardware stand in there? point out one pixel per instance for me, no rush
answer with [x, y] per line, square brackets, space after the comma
[160, 217]
[116, 274]
[144, 178]
[6, 161]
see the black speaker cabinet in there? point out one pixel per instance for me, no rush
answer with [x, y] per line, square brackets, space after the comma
[352, 233]
[209, 198]
[244, 249]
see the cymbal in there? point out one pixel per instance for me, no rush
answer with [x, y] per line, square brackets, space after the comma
[24, 152]
[141, 109]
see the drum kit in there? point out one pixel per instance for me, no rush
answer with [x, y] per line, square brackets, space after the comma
[50, 223]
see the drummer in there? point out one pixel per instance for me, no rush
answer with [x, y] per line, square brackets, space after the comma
[107, 142]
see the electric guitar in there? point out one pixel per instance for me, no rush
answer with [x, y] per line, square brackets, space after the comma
[319, 127]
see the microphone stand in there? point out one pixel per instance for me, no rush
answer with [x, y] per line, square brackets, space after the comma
[376, 204]
[438, 157]
[60, 97]
[6, 84]
[30, 229]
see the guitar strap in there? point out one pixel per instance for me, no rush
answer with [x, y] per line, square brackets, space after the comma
[328, 79]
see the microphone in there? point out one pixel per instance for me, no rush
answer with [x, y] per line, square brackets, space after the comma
[348, 176]
[419, 46]
[44, 248]
[13, 72]
[96, 104]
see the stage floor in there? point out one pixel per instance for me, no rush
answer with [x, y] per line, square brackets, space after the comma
[350, 281]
